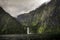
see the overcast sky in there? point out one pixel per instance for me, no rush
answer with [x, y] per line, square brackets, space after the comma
[18, 7]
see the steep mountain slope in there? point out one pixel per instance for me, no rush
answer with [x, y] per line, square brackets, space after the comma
[45, 19]
[42, 19]
[9, 25]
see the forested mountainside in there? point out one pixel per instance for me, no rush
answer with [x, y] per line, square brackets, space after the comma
[44, 19]
[9, 25]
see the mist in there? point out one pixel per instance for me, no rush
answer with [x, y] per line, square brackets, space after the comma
[18, 7]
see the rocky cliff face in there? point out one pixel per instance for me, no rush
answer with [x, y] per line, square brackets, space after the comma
[44, 19]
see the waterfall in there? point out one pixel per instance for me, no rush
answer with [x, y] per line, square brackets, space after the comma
[28, 30]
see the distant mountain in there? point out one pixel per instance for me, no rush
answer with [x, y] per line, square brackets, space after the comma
[45, 19]
[35, 16]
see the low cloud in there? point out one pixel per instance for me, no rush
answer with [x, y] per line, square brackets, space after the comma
[18, 7]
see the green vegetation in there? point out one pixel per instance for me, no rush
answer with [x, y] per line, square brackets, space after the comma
[9, 25]
[45, 19]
